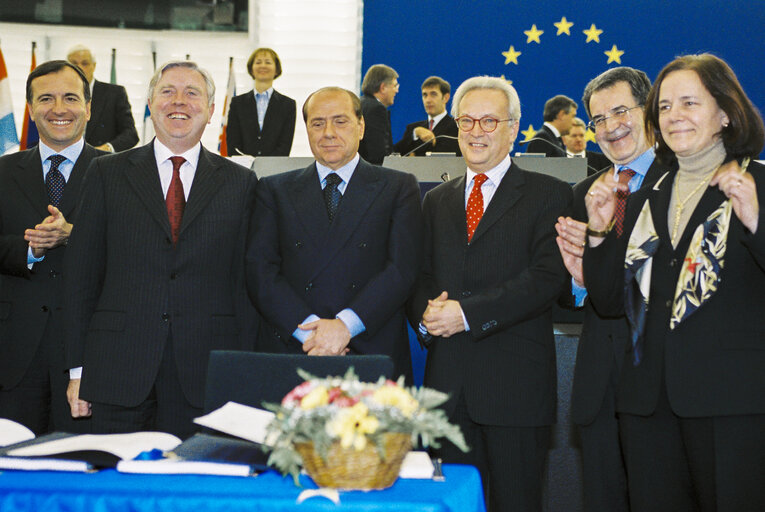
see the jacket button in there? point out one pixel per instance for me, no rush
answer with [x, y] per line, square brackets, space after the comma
[308, 286]
[165, 317]
[466, 293]
[298, 244]
[668, 304]
[53, 273]
[362, 245]
[44, 309]
[672, 262]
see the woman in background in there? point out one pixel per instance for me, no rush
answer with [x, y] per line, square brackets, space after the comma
[689, 273]
[261, 122]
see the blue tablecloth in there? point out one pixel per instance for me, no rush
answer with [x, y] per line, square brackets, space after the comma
[110, 491]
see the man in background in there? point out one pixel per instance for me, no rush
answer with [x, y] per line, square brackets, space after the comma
[111, 126]
[576, 147]
[439, 128]
[559, 113]
[41, 192]
[379, 89]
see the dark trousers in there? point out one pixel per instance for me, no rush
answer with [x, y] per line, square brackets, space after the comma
[38, 401]
[166, 409]
[694, 464]
[604, 482]
[511, 460]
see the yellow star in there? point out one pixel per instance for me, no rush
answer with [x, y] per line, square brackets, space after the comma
[593, 34]
[529, 134]
[533, 34]
[506, 80]
[563, 26]
[589, 136]
[614, 55]
[511, 56]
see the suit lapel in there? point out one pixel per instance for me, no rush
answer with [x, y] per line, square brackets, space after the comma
[72, 189]
[454, 205]
[29, 176]
[252, 112]
[144, 178]
[308, 202]
[659, 203]
[506, 195]
[96, 104]
[272, 112]
[207, 181]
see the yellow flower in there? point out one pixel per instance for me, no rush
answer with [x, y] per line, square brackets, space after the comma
[317, 397]
[397, 397]
[351, 425]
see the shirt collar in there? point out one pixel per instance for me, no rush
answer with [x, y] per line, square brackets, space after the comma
[162, 153]
[494, 174]
[552, 129]
[268, 92]
[582, 154]
[641, 164]
[437, 119]
[345, 172]
[71, 152]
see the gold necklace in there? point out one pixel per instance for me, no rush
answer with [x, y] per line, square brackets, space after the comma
[680, 204]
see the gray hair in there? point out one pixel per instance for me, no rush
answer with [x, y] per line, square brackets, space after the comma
[579, 122]
[489, 82]
[80, 48]
[188, 64]
[638, 81]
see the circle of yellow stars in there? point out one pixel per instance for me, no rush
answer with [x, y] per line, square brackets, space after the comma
[563, 26]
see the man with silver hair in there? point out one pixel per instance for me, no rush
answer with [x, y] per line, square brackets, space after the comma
[491, 274]
[156, 268]
[111, 126]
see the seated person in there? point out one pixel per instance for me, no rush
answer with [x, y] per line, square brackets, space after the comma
[439, 128]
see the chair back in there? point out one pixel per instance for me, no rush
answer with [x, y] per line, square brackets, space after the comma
[251, 378]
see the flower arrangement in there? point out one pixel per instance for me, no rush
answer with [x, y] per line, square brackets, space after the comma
[346, 414]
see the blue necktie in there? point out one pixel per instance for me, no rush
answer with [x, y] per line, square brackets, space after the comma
[332, 194]
[54, 180]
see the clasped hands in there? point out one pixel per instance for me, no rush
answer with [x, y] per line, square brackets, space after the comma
[53, 231]
[443, 316]
[330, 337]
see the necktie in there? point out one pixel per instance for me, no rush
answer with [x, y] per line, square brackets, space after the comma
[625, 175]
[175, 199]
[475, 205]
[332, 195]
[430, 125]
[54, 180]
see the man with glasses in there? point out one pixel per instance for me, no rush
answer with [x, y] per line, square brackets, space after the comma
[614, 101]
[483, 301]
[379, 89]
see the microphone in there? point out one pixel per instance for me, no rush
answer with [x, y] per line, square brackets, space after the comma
[442, 136]
[563, 151]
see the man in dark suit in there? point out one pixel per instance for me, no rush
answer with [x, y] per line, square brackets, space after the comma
[40, 189]
[111, 126]
[379, 89]
[491, 273]
[439, 128]
[155, 269]
[576, 147]
[334, 248]
[603, 342]
[558, 114]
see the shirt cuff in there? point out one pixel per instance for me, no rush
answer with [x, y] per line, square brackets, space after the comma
[464, 320]
[351, 321]
[31, 260]
[302, 335]
[579, 294]
[75, 373]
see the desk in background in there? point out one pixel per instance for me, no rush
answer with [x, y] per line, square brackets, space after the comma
[111, 491]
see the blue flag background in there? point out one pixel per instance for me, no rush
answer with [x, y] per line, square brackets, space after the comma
[457, 39]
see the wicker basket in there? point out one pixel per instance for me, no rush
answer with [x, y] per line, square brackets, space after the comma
[351, 469]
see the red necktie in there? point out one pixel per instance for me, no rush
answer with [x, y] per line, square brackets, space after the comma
[430, 125]
[625, 175]
[475, 205]
[175, 199]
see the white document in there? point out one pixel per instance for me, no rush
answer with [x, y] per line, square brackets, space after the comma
[12, 432]
[182, 467]
[416, 465]
[124, 446]
[238, 420]
[42, 464]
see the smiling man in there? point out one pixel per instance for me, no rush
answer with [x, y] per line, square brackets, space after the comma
[439, 128]
[491, 273]
[41, 190]
[155, 270]
[334, 248]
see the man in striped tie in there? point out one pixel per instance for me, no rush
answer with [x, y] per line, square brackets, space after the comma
[41, 190]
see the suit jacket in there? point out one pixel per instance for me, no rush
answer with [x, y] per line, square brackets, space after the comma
[128, 287]
[367, 259]
[111, 118]
[446, 126]
[29, 297]
[378, 141]
[713, 363]
[243, 131]
[506, 280]
[596, 162]
[549, 144]
[604, 341]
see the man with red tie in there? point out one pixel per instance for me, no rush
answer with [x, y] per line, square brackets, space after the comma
[155, 270]
[491, 273]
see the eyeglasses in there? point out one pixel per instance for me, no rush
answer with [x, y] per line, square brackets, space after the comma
[487, 123]
[620, 114]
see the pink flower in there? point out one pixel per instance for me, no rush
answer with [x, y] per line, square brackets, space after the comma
[297, 394]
